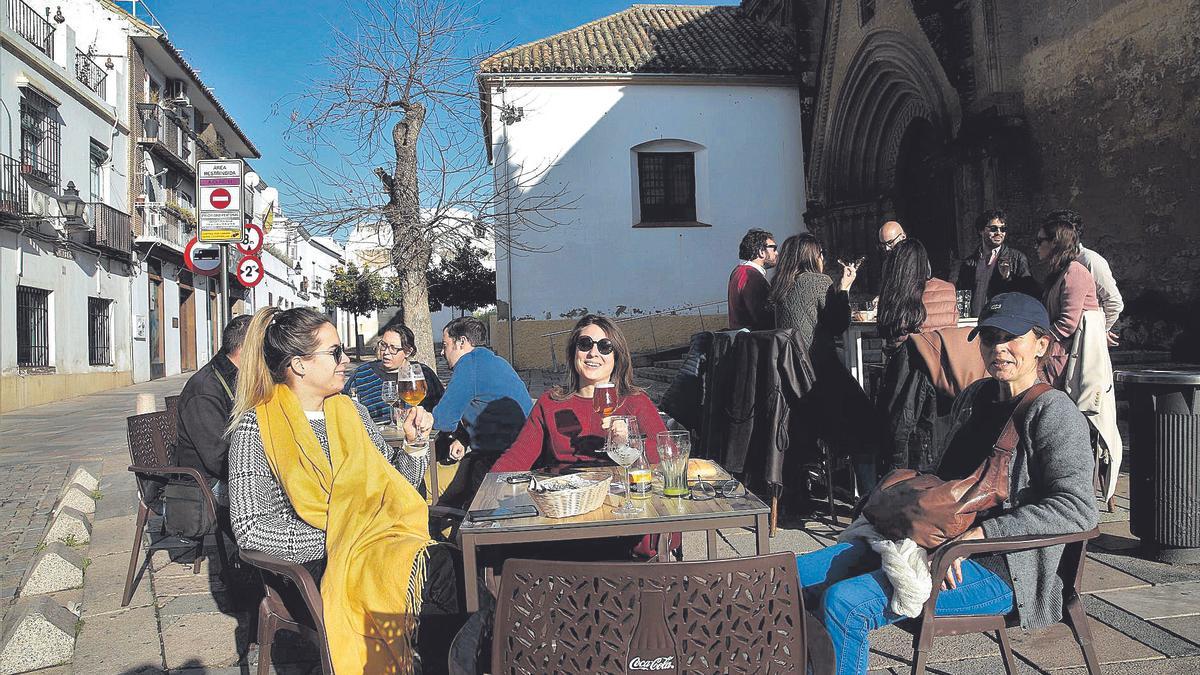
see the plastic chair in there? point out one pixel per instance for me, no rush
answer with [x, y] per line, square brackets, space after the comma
[1070, 569]
[740, 615]
[153, 458]
[172, 408]
[274, 615]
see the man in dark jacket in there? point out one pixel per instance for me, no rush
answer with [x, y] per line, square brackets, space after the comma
[204, 408]
[994, 267]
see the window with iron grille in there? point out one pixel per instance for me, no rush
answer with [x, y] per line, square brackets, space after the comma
[33, 326]
[41, 140]
[667, 186]
[97, 157]
[99, 341]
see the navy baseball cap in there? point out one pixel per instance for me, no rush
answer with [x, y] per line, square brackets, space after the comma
[1015, 313]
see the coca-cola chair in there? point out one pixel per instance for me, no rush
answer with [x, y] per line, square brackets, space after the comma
[1070, 570]
[739, 615]
[291, 601]
[153, 457]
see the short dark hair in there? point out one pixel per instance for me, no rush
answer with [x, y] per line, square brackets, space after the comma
[469, 327]
[234, 334]
[754, 241]
[988, 216]
[407, 340]
[1066, 216]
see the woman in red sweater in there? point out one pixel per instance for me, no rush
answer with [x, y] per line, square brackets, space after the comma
[562, 428]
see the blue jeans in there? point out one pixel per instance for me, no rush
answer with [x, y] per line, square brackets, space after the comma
[851, 594]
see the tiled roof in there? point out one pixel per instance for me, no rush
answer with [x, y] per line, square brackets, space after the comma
[673, 39]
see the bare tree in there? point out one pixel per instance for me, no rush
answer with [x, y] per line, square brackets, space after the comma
[392, 136]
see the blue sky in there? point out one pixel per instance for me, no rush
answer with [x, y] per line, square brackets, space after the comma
[253, 52]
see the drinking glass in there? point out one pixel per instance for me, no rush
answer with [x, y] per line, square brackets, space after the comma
[390, 393]
[964, 303]
[674, 448]
[412, 387]
[604, 398]
[624, 447]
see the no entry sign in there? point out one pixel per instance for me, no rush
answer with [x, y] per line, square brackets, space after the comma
[202, 259]
[219, 212]
[250, 271]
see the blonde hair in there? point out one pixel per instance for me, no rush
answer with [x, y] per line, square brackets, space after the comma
[273, 338]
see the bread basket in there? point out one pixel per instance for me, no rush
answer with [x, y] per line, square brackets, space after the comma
[570, 501]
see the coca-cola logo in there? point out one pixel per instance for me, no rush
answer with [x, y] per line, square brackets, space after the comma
[660, 663]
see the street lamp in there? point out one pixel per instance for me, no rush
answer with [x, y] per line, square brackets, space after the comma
[70, 205]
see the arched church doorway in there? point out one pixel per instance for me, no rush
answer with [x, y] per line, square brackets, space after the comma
[924, 196]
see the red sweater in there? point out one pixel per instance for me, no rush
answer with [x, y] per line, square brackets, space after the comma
[747, 296]
[566, 432]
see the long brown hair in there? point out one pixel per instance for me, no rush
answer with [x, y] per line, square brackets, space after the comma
[800, 253]
[901, 305]
[273, 338]
[1064, 245]
[622, 374]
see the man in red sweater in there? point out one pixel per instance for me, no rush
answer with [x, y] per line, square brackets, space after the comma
[748, 285]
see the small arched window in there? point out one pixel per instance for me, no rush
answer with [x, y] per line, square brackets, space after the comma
[666, 181]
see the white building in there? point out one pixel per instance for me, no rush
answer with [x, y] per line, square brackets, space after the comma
[672, 130]
[298, 265]
[64, 284]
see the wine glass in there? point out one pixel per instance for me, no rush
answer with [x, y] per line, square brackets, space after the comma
[412, 387]
[604, 399]
[624, 447]
[390, 393]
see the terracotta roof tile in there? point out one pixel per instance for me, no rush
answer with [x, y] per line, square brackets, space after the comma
[682, 39]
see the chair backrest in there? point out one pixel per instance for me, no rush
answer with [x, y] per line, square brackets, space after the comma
[172, 415]
[741, 615]
[273, 570]
[148, 436]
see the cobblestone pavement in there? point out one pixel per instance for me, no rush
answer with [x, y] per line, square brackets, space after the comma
[1145, 615]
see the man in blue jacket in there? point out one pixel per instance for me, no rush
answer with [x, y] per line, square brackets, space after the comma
[483, 409]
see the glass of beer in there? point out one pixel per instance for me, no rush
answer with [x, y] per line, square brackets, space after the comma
[674, 448]
[411, 380]
[604, 399]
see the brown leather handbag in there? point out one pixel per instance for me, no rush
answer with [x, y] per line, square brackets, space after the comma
[907, 504]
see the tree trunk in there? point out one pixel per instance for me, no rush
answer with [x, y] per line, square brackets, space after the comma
[411, 249]
[357, 355]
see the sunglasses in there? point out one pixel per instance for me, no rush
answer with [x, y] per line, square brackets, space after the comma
[773, 247]
[337, 352]
[996, 228]
[603, 345]
[890, 243]
[703, 490]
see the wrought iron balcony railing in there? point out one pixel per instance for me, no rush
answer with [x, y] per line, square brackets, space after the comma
[160, 223]
[27, 23]
[111, 228]
[90, 73]
[12, 188]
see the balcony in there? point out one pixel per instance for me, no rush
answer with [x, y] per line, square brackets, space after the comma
[160, 224]
[111, 229]
[163, 133]
[90, 73]
[26, 22]
[12, 188]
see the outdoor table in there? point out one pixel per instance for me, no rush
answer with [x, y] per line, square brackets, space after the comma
[856, 357]
[395, 438]
[660, 515]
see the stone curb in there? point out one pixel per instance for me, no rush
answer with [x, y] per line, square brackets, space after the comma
[40, 634]
[57, 568]
[83, 477]
[78, 497]
[69, 523]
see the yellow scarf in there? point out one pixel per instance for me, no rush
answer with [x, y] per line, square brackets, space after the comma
[376, 531]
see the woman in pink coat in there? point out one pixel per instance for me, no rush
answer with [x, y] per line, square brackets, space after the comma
[1070, 291]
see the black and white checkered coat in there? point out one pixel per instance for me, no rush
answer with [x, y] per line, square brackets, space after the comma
[263, 519]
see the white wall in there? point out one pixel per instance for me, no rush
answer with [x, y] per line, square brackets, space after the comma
[749, 174]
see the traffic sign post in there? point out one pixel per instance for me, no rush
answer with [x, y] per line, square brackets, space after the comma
[250, 271]
[201, 258]
[219, 200]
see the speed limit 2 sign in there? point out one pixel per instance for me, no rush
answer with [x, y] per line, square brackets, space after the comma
[250, 271]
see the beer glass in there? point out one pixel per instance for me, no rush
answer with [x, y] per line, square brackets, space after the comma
[674, 448]
[412, 384]
[624, 447]
[604, 399]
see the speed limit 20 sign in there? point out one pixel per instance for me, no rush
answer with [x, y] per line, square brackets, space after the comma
[250, 271]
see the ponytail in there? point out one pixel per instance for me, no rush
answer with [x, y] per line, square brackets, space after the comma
[255, 383]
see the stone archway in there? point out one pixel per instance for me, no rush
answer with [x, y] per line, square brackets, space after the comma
[923, 194]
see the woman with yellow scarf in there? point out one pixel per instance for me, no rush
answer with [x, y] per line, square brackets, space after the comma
[313, 482]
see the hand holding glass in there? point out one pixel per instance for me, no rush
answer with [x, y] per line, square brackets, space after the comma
[411, 380]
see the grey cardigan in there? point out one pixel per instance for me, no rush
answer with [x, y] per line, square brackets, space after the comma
[1051, 492]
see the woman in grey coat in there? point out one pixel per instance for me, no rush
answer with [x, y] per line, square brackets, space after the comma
[1050, 493]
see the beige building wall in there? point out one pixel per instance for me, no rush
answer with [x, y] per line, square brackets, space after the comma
[18, 391]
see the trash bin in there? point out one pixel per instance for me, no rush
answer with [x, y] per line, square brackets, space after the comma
[1164, 461]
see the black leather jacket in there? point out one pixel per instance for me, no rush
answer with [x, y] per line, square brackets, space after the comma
[1019, 279]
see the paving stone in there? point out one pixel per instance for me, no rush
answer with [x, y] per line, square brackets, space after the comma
[114, 535]
[1055, 647]
[1187, 627]
[891, 646]
[55, 569]
[104, 584]
[187, 585]
[1184, 666]
[192, 604]
[85, 479]
[1151, 571]
[70, 524]
[985, 666]
[136, 629]
[1143, 631]
[1100, 577]
[39, 634]
[1158, 602]
[78, 498]
[218, 648]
